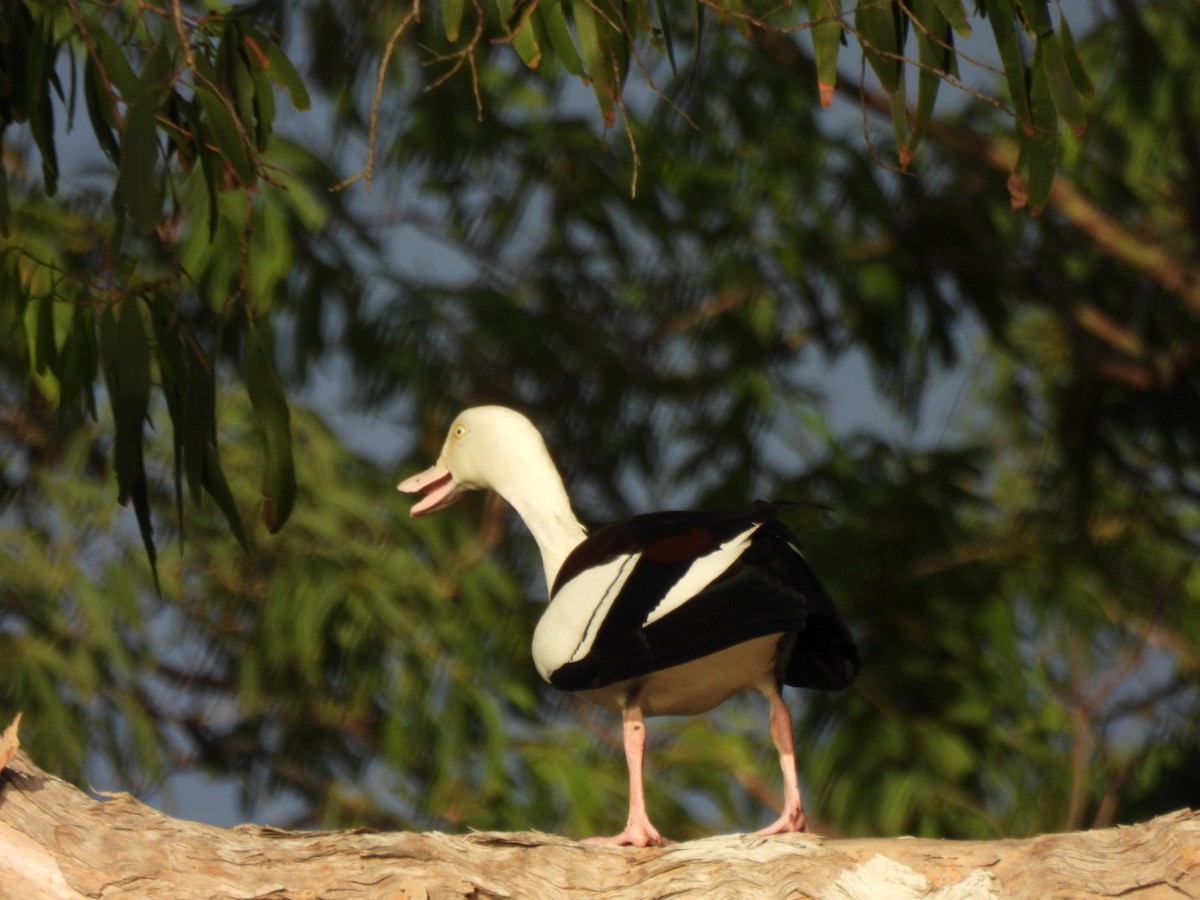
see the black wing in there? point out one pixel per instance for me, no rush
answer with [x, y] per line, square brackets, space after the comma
[768, 589]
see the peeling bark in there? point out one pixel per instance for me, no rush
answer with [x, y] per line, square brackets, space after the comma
[57, 842]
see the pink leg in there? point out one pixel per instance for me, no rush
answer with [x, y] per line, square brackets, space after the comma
[793, 818]
[638, 830]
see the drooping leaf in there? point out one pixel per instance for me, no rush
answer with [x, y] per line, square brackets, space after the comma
[284, 73]
[451, 12]
[116, 66]
[130, 360]
[210, 166]
[881, 31]
[45, 356]
[99, 111]
[270, 406]
[78, 362]
[1039, 150]
[827, 43]
[1061, 83]
[554, 21]
[157, 70]
[1079, 73]
[935, 50]
[1000, 13]
[137, 182]
[518, 23]
[173, 378]
[224, 130]
[128, 356]
[956, 14]
[140, 497]
[215, 483]
[597, 45]
[40, 74]
[234, 78]
[197, 429]
[5, 208]
[1036, 14]
[264, 99]
[668, 38]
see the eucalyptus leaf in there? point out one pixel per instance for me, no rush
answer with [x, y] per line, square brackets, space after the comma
[271, 409]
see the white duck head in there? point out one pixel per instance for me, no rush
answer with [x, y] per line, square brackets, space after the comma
[493, 447]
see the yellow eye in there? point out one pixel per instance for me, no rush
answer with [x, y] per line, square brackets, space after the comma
[459, 432]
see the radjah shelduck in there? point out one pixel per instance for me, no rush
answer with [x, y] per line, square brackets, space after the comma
[668, 613]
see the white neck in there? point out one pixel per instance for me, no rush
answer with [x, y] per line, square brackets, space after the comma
[547, 514]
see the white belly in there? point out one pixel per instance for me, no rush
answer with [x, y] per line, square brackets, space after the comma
[696, 686]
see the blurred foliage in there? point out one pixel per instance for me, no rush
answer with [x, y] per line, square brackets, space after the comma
[1018, 561]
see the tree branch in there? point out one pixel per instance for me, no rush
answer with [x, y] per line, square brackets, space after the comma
[55, 842]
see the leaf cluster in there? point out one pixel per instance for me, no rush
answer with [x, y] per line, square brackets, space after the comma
[160, 278]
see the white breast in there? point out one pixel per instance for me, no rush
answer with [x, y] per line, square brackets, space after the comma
[570, 623]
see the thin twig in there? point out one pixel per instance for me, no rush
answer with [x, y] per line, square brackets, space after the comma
[189, 57]
[94, 53]
[368, 171]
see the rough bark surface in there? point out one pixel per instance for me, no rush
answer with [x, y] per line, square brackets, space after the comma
[56, 841]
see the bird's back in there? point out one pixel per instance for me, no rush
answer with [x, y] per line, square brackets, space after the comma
[667, 588]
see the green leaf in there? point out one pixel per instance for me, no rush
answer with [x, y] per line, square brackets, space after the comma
[1001, 14]
[210, 166]
[898, 105]
[137, 186]
[120, 73]
[131, 399]
[17, 43]
[99, 111]
[109, 351]
[664, 20]
[936, 53]
[452, 13]
[79, 359]
[264, 103]
[39, 75]
[196, 429]
[236, 81]
[128, 355]
[201, 458]
[521, 31]
[173, 378]
[274, 420]
[881, 29]
[1037, 16]
[827, 43]
[141, 508]
[554, 20]
[5, 209]
[1079, 73]
[13, 298]
[225, 133]
[1061, 83]
[218, 488]
[284, 73]
[158, 69]
[1039, 151]
[956, 14]
[45, 355]
[599, 56]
